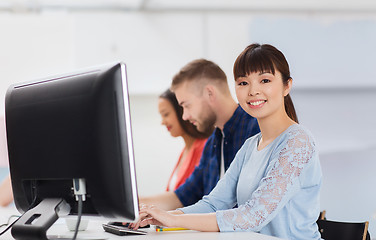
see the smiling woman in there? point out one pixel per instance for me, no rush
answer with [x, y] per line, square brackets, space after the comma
[273, 184]
[171, 113]
[267, 68]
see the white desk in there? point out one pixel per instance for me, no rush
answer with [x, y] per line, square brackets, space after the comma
[95, 230]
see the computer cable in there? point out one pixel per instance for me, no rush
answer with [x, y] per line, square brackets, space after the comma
[9, 224]
[79, 214]
[79, 188]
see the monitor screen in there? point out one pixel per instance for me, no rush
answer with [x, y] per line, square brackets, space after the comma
[73, 126]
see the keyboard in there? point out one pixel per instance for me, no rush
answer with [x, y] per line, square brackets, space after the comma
[121, 230]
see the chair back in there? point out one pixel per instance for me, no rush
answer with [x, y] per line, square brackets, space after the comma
[322, 215]
[332, 230]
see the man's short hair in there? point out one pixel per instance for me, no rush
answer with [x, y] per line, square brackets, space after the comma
[201, 71]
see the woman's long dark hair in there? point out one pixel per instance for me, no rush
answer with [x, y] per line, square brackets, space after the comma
[265, 58]
[188, 127]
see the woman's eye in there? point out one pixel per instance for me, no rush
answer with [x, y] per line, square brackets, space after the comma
[242, 83]
[265, 80]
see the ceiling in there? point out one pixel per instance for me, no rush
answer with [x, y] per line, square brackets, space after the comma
[189, 5]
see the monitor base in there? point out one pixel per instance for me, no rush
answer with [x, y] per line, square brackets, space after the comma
[34, 223]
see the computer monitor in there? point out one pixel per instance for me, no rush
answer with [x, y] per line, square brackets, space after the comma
[72, 127]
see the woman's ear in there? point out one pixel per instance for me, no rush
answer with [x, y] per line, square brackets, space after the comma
[287, 87]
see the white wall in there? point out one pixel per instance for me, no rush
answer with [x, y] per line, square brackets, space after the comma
[326, 50]
[342, 121]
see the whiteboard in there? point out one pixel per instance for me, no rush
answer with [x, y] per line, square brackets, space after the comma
[323, 51]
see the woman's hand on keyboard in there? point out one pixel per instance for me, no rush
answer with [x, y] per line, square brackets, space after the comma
[149, 214]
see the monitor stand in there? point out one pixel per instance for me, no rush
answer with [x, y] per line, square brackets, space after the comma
[34, 223]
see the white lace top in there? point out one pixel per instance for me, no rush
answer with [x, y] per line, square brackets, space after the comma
[274, 191]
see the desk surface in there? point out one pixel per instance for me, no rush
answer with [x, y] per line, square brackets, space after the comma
[95, 231]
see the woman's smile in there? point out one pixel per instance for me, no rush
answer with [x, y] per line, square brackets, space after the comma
[256, 103]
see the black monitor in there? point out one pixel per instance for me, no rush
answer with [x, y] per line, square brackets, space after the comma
[71, 128]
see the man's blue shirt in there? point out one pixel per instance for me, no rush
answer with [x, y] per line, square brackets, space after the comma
[204, 178]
